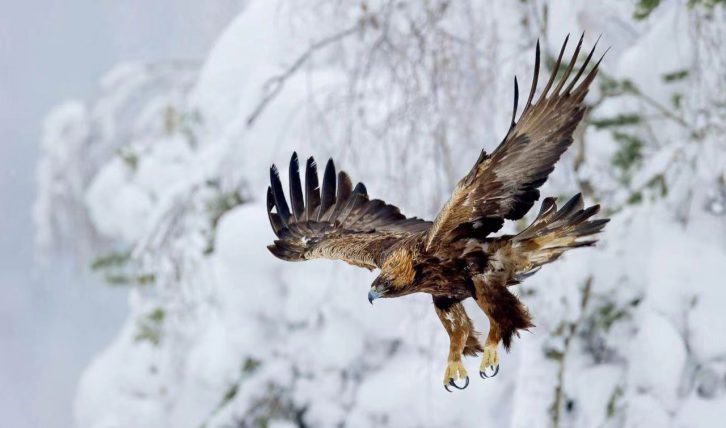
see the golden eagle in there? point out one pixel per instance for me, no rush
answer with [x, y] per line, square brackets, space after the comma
[453, 257]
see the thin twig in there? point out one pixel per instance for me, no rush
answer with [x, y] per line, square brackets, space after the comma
[559, 389]
[275, 84]
[665, 111]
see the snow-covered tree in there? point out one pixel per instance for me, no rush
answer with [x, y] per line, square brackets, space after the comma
[161, 177]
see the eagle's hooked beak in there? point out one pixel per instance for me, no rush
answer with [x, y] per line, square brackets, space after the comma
[373, 295]
[379, 287]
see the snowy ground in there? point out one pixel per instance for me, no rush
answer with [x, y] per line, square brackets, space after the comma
[220, 333]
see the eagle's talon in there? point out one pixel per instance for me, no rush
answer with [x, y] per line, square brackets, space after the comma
[489, 361]
[455, 370]
[452, 383]
[483, 373]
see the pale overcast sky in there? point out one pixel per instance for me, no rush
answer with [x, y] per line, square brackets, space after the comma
[53, 322]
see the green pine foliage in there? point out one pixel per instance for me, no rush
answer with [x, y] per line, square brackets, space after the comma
[619, 120]
[150, 327]
[644, 8]
[118, 269]
[629, 154]
[675, 76]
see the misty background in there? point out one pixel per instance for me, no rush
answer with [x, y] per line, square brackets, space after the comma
[55, 316]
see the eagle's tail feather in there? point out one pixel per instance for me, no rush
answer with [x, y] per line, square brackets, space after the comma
[555, 231]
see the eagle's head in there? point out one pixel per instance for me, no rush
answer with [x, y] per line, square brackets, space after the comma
[396, 277]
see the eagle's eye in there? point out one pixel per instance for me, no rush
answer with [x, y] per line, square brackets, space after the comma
[380, 288]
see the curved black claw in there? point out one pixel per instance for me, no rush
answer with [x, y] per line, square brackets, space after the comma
[452, 383]
[483, 374]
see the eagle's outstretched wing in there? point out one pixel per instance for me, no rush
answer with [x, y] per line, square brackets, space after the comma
[504, 184]
[333, 221]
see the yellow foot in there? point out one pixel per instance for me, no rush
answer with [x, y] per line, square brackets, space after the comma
[489, 362]
[455, 370]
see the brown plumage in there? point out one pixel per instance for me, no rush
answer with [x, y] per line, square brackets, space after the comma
[454, 258]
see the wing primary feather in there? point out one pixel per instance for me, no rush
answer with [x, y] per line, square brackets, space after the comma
[312, 188]
[279, 196]
[547, 204]
[583, 67]
[327, 198]
[361, 189]
[336, 221]
[360, 216]
[535, 77]
[554, 71]
[566, 75]
[591, 75]
[275, 221]
[585, 214]
[594, 226]
[296, 193]
[357, 198]
[516, 101]
[574, 204]
[345, 188]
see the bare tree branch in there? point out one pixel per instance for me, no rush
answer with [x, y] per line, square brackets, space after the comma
[275, 84]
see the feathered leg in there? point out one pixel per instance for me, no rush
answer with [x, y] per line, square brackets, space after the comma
[463, 340]
[490, 359]
[506, 315]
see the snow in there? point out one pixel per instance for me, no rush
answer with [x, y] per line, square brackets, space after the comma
[672, 26]
[242, 331]
[657, 340]
[110, 194]
[135, 376]
[243, 56]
